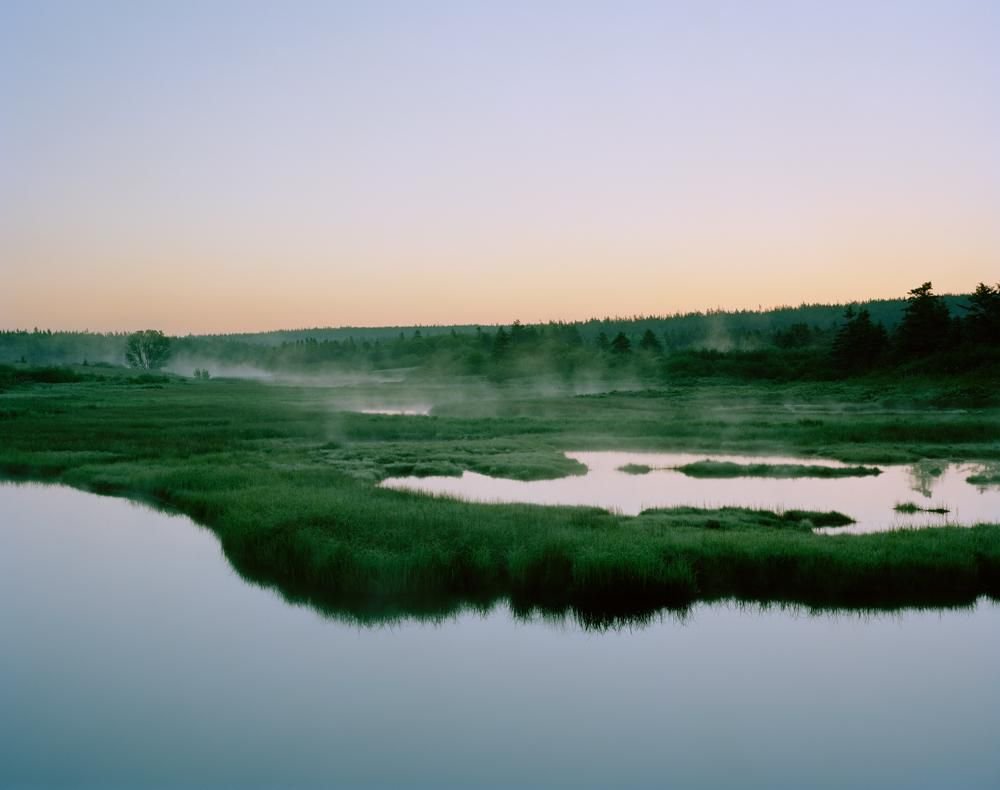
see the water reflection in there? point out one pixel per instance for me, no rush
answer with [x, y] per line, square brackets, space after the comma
[869, 500]
[985, 477]
[134, 656]
[924, 476]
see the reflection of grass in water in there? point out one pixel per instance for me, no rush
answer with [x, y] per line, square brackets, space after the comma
[988, 475]
[913, 507]
[724, 469]
[923, 475]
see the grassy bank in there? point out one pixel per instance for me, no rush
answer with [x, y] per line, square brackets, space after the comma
[286, 480]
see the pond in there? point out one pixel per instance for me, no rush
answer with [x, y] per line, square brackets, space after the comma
[134, 655]
[871, 500]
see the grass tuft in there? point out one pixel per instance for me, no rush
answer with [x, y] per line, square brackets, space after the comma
[635, 469]
[913, 507]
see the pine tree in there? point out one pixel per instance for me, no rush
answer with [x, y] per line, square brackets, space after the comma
[983, 317]
[650, 343]
[621, 344]
[860, 343]
[926, 324]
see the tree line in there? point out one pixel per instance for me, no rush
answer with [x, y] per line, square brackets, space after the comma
[924, 332]
[929, 333]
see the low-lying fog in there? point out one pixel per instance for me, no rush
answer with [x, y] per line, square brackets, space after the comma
[186, 366]
[411, 411]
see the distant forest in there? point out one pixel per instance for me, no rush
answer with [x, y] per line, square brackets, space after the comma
[922, 332]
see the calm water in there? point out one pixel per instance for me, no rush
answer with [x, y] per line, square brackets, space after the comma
[132, 655]
[868, 500]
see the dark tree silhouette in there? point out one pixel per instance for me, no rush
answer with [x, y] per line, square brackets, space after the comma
[983, 314]
[621, 344]
[860, 343]
[649, 342]
[501, 343]
[148, 349]
[602, 342]
[797, 335]
[571, 336]
[926, 323]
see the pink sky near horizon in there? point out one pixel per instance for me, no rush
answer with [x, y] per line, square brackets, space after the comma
[247, 167]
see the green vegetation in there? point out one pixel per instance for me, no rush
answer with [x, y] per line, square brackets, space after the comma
[723, 469]
[285, 473]
[709, 468]
[743, 519]
[635, 469]
[924, 334]
[285, 477]
[148, 349]
[913, 507]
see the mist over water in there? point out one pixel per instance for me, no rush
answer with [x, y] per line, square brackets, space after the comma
[412, 411]
[186, 365]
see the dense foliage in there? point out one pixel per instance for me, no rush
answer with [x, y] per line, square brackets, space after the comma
[924, 333]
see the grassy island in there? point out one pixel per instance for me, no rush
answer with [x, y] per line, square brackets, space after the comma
[723, 469]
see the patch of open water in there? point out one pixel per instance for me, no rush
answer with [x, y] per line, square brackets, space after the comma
[133, 656]
[870, 501]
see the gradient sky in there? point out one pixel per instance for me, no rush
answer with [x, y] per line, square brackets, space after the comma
[217, 166]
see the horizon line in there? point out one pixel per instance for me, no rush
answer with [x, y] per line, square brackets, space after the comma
[760, 309]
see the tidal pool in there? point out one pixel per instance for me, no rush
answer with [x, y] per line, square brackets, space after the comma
[132, 655]
[869, 500]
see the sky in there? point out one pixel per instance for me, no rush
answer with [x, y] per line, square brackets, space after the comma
[232, 166]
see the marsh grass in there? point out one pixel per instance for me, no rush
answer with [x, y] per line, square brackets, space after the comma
[746, 518]
[724, 469]
[287, 483]
[913, 507]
